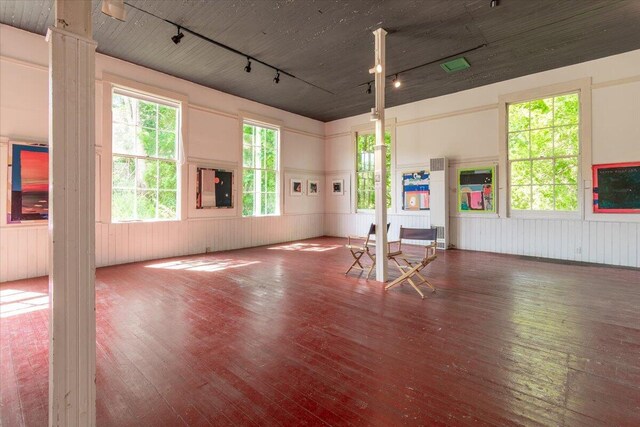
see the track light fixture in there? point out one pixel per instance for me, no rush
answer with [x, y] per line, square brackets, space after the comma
[276, 79]
[369, 88]
[247, 67]
[396, 82]
[493, 3]
[178, 37]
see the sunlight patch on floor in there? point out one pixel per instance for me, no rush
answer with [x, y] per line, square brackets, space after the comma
[305, 247]
[14, 302]
[202, 265]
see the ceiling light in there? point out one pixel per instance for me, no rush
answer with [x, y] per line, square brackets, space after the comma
[247, 67]
[376, 69]
[369, 87]
[178, 37]
[114, 9]
[396, 82]
[493, 3]
[276, 79]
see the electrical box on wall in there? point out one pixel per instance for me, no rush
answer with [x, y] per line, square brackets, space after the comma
[439, 195]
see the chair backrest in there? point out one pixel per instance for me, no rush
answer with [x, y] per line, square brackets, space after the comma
[372, 229]
[418, 233]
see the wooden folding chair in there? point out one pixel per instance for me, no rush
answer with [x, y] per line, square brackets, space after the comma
[365, 247]
[410, 268]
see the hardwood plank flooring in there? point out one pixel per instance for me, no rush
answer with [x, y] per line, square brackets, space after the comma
[278, 335]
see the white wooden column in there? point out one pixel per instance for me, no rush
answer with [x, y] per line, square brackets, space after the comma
[72, 322]
[380, 159]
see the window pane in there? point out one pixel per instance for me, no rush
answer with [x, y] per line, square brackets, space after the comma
[247, 156]
[542, 197]
[541, 113]
[248, 180]
[521, 173]
[146, 174]
[122, 204]
[168, 175]
[123, 138]
[521, 198]
[268, 181]
[247, 134]
[247, 204]
[566, 171]
[270, 155]
[123, 109]
[271, 203]
[542, 171]
[541, 143]
[519, 145]
[147, 142]
[566, 197]
[147, 114]
[566, 141]
[167, 204]
[567, 109]
[124, 172]
[519, 117]
[146, 201]
[167, 145]
[167, 118]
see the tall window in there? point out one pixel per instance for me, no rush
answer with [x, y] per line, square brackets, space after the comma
[145, 153]
[260, 176]
[543, 150]
[365, 169]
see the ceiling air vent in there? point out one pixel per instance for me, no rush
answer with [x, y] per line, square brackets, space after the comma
[454, 65]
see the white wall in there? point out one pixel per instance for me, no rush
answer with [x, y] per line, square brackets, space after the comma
[465, 128]
[213, 138]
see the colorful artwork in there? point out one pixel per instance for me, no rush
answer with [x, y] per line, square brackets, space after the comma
[415, 191]
[214, 188]
[616, 188]
[476, 190]
[29, 183]
[312, 188]
[296, 187]
[337, 187]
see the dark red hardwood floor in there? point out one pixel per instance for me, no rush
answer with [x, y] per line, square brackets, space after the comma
[277, 335]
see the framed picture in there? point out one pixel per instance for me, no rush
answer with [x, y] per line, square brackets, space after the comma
[415, 191]
[337, 187]
[476, 190]
[28, 183]
[214, 188]
[312, 187]
[616, 188]
[296, 187]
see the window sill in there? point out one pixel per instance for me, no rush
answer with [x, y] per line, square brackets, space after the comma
[145, 221]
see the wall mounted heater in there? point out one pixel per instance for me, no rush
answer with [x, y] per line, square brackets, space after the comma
[439, 195]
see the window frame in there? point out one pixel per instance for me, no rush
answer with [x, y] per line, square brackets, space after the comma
[104, 152]
[582, 87]
[266, 123]
[390, 127]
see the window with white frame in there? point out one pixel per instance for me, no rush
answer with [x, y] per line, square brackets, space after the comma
[261, 170]
[543, 149]
[145, 141]
[365, 170]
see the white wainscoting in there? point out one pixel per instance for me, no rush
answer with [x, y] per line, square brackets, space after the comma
[615, 243]
[24, 250]
[341, 225]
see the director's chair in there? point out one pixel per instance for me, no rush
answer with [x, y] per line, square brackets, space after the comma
[409, 267]
[367, 247]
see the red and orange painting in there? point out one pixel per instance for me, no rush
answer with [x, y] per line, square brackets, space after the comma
[29, 183]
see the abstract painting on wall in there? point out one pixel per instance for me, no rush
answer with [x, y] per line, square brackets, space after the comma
[616, 188]
[29, 183]
[415, 191]
[476, 190]
[214, 188]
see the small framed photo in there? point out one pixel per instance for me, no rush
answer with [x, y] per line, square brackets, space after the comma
[296, 187]
[312, 188]
[337, 187]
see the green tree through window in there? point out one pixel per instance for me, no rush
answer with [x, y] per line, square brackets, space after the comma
[144, 161]
[543, 150]
[260, 176]
[365, 170]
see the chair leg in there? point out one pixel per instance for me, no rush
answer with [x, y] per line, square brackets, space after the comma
[356, 261]
[401, 278]
[415, 287]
